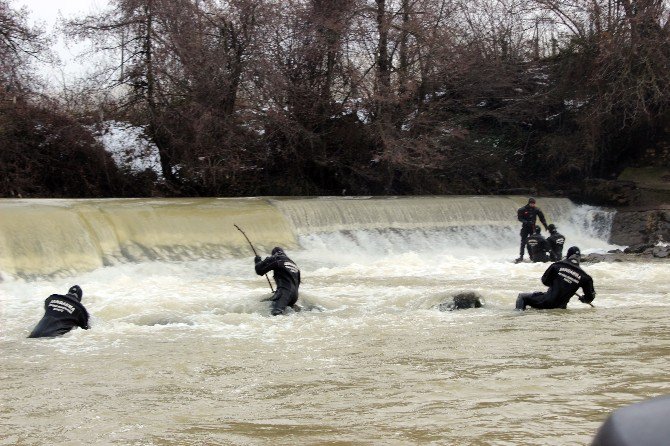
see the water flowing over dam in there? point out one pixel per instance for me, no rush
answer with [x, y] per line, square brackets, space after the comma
[43, 237]
[182, 349]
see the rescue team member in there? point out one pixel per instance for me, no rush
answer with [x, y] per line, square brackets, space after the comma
[61, 314]
[528, 215]
[556, 242]
[287, 278]
[538, 247]
[563, 278]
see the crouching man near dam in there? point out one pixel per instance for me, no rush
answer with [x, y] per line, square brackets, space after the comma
[538, 247]
[61, 314]
[287, 278]
[563, 278]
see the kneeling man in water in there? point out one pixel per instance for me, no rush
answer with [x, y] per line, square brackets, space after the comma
[563, 278]
[287, 278]
[61, 314]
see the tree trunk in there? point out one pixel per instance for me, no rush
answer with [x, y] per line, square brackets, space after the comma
[155, 128]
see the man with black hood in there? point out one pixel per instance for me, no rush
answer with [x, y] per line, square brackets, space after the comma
[556, 242]
[538, 247]
[563, 278]
[61, 314]
[527, 215]
[286, 275]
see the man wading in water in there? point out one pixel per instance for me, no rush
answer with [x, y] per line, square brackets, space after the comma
[61, 314]
[287, 278]
[527, 215]
[563, 278]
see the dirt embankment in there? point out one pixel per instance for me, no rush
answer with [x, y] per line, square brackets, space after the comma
[644, 232]
[641, 197]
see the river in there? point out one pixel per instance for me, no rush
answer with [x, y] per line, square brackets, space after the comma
[182, 349]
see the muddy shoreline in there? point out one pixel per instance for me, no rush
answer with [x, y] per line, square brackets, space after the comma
[641, 198]
[617, 256]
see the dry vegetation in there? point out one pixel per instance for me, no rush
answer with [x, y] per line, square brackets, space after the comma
[251, 97]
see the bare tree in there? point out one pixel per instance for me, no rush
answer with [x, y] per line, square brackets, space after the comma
[616, 55]
[214, 48]
[18, 44]
[130, 32]
[384, 95]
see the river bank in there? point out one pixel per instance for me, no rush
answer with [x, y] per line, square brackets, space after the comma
[659, 253]
[644, 231]
[641, 198]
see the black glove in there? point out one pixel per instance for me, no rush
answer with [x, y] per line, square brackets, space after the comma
[257, 259]
[583, 299]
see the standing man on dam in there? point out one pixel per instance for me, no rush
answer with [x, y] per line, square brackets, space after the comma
[61, 314]
[528, 215]
[287, 278]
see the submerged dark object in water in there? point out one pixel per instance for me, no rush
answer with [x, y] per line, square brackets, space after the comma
[640, 424]
[461, 301]
[303, 307]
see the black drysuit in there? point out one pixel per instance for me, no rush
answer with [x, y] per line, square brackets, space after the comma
[527, 215]
[538, 248]
[61, 314]
[563, 278]
[287, 278]
[556, 242]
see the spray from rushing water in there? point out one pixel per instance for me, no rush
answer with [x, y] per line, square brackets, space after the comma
[161, 262]
[65, 237]
[183, 348]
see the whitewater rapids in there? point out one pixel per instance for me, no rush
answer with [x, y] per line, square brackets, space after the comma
[183, 351]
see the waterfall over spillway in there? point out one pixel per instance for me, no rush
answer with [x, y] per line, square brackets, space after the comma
[45, 237]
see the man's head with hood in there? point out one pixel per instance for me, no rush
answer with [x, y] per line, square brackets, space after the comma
[574, 255]
[76, 292]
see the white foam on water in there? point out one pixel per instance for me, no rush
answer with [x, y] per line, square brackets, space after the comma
[181, 347]
[346, 273]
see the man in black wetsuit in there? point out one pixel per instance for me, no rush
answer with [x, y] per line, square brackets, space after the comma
[563, 278]
[556, 242]
[287, 278]
[527, 215]
[538, 247]
[61, 314]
